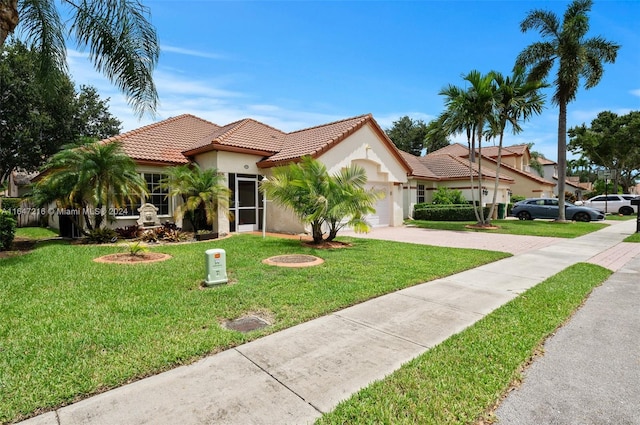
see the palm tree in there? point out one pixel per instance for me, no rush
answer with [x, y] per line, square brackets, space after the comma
[517, 99]
[307, 189]
[349, 201]
[457, 119]
[302, 187]
[122, 43]
[470, 110]
[203, 192]
[93, 178]
[577, 58]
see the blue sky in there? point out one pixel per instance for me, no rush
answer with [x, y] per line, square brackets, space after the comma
[295, 64]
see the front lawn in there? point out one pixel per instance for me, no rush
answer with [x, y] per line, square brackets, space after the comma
[461, 379]
[517, 227]
[633, 238]
[35, 233]
[70, 327]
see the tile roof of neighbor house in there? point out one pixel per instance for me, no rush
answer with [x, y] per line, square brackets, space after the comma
[455, 149]
[445, 167]
[513, 150]
[544, 161]
[164, 141]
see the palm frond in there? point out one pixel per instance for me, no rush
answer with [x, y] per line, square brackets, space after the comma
[122, 45]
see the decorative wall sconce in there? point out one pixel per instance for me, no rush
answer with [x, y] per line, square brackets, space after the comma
[485, 192]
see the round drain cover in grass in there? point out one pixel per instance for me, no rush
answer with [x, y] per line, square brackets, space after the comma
[293, 260]
[246, 324]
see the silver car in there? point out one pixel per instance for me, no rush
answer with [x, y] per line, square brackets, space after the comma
[532, 208]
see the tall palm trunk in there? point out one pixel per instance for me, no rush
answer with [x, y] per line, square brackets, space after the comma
[562, 157]
[497, 179]
[480, 213]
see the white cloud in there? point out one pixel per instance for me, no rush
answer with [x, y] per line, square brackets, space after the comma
[189, 52]
[635, 92]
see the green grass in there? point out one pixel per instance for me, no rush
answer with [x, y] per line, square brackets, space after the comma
[459, 380]
[616, 217]
[70, 327]
[518, 227]
[633, 238]
[35, 233]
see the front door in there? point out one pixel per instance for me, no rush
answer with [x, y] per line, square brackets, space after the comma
[246, 206]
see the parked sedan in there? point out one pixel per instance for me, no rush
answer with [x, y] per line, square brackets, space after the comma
[617, 204]
[532, 208]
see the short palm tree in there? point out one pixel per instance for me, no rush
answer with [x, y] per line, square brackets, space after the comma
[318, 199]
[122, 43]
[203, 192]
[93, 178]
[576, 58]
[349, 201]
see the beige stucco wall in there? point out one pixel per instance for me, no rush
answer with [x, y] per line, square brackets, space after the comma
[384, 170]
[463, 186]
[523, 186]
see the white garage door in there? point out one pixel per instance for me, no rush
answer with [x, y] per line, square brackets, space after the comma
[382, 216]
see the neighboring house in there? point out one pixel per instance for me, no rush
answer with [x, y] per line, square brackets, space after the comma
[19, 183]
[443, 168]
[245, 151]
[514, 165]
[572, 183]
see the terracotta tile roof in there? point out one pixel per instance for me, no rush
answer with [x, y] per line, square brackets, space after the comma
[243, 134]
[455, 149]
[450, 167]
[164, 141]
[418, 169]
[545, 161]
[445, 167]
[314, 140]
[513, 150]
[173, 140]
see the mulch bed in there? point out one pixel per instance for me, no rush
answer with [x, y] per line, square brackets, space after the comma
[126, 258]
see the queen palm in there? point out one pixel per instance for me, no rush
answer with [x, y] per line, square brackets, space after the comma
[576, 57]
[203, 194]
[92, 178]
[122, 43]
[517, 99]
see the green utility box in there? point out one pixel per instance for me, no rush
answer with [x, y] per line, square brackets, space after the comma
[216, 267]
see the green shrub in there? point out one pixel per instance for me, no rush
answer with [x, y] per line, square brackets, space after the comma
[445, 195]
[437, 212]
[102, 235]
[7, 230]
[11, 204]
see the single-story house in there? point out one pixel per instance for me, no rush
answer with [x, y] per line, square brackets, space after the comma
[245, 151]
[444, 169]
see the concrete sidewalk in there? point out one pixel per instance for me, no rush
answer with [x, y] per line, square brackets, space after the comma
[295, 375]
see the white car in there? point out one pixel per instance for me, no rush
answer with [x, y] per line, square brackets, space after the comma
[616, 204]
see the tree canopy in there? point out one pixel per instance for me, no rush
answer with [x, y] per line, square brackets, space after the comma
[36, 120]
[408, 135]
[121, 42]
[612, 141]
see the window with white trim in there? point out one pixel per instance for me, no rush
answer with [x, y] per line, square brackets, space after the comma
[157, 196]
[421, 198]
